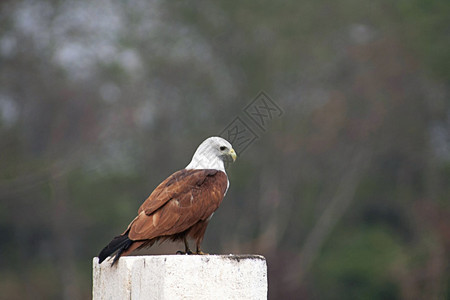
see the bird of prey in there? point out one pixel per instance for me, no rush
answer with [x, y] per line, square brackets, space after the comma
[182, 205]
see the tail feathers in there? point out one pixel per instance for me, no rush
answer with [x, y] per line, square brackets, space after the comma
[118, 244]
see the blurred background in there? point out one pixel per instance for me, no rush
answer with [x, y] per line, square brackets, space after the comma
[345, 191]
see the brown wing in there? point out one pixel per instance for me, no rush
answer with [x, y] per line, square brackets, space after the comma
[179, 202]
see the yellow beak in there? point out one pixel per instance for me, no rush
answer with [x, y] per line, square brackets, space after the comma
[233, 154]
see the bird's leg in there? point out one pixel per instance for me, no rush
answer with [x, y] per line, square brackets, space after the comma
[199, 251]
[186, 247]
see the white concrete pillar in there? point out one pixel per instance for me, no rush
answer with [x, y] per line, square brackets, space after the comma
[173, 277]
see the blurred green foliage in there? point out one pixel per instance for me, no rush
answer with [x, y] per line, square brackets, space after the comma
[359, 265]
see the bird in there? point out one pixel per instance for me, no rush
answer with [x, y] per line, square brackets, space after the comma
[181, 206]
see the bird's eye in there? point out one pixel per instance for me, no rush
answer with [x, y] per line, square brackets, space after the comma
[222, 148]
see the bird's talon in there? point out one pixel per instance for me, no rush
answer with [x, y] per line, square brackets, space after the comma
[189, 252]
[202, 253]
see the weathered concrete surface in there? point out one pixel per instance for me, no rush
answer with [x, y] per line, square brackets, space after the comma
[173, 277]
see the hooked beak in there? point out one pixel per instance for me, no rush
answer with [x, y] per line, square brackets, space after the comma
[233, 154]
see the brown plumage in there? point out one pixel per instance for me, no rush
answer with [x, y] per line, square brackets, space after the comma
[180, 207]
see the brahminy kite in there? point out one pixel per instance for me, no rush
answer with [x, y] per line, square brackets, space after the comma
[181, 206]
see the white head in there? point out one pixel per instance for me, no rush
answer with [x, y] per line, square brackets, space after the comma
[211, 154]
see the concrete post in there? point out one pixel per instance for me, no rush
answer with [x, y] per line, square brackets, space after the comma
[172, 277]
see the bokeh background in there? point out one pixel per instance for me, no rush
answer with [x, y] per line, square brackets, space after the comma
[346, 193]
